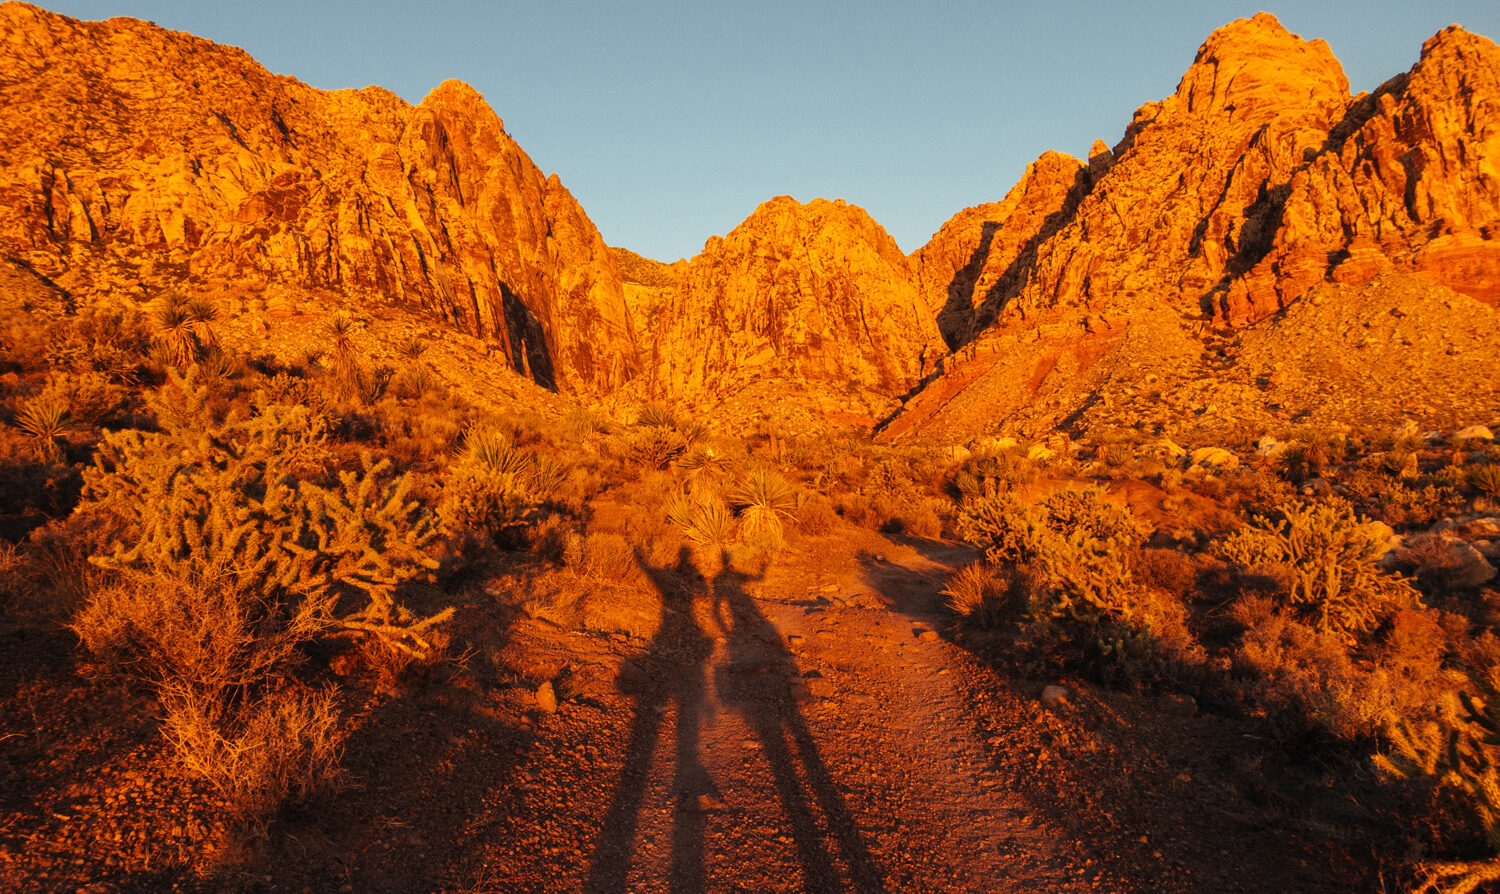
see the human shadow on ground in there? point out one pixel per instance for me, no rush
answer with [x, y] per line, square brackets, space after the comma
[756, 680]
[672, 671]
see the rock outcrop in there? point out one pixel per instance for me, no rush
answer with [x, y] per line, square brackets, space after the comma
[1258, 182]
[139, 158]
[1409, 178]
[979, 255]
[814, 294]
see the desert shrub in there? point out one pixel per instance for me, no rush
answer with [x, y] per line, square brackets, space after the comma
[702, 518]
[766, 501]
[991, 472]
[1168, 570]
[89, 396]
[415, 382]
[1076, 542]
[652, 447]
[1485, 479]
[259, 751]
[495, 488]
[45, 419]
[978, 594]
[1329, 558]
[1461, 750]
[108, 341]
[816, 516]
[184, 329]
[238, 502]
[607, 557]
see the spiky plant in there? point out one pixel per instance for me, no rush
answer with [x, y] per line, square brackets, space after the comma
[977, 594]
[704, 520]
[184, 329]
[1485, 479]
[494, 451]
[1331, 557]
[765, 500]
[655, 415]
[46, 420]
[412, 348]
[340, 333]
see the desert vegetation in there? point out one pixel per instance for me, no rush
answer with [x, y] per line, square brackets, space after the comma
[259, 543]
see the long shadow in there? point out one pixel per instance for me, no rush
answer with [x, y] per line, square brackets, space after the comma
[1169, 765]
[755, 681]
[674, 672]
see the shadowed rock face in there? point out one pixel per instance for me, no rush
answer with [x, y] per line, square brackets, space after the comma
[140, 157]
[816, 293]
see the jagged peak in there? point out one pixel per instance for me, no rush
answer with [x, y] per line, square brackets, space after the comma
[1257, 62]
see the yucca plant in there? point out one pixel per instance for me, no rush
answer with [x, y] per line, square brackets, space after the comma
[765, 500]
[340, 332]
[412, 348]
[184, 331]
[1485, 479]
[46, 420]
[655, 415]
[704, 520]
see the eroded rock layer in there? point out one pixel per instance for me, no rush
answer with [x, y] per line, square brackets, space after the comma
[138, 158]
[814, 293]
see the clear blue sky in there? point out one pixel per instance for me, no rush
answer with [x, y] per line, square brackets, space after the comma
[671, 121]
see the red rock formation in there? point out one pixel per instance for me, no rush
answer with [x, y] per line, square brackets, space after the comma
[1410, 179]
[139, 158]
[983, 252]
[818, 294]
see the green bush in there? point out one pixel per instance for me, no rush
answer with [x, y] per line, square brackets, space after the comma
[1327, 556]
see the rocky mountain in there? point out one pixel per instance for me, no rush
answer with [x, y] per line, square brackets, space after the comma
[1258, 182]
[138, 159]
[814, 294]
[1155, 284]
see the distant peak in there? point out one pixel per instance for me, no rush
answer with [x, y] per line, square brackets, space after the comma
[1255, 62]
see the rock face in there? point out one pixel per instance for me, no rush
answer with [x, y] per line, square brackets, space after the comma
[977, 257]
[139, 158]
[1409, 178]
[1258, 182]
[813, 294]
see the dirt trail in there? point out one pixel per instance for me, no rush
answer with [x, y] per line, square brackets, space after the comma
[803, 731]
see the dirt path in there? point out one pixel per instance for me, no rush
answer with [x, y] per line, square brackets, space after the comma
[801, 731]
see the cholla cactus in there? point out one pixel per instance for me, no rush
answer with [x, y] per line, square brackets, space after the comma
[1461, 749]
[235, 503]
[1331, 554]
[1075, 540]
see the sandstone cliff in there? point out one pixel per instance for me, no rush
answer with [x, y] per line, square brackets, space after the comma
[815, 294]
[139, 158]
[1257, 181]
[980, 254]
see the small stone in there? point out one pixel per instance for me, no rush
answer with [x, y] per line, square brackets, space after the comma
[793, 641]
[1056, 695]
[546, 698]
[926, 636]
